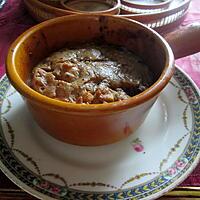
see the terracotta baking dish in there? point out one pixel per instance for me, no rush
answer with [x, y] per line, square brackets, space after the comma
[94, 124]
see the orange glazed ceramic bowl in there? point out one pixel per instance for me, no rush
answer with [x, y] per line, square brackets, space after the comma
[93, 124]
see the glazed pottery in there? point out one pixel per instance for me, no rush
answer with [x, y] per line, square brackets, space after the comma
[78, 123]
[92, 6]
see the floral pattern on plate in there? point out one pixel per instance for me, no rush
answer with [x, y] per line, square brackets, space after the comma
[137, 145]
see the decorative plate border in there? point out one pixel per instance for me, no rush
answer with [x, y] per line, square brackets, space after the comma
[170, 177]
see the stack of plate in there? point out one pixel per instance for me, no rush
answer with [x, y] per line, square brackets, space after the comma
[144, 6]
[162, 15]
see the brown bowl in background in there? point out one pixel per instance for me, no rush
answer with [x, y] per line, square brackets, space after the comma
[92, 6]
[41, 10]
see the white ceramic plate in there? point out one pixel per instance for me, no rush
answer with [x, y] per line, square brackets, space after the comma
[160, 155]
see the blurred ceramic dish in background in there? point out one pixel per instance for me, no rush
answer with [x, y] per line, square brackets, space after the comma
[94, 6]
[42, 11]
[161, 20]
[147, 4]
[131, 9]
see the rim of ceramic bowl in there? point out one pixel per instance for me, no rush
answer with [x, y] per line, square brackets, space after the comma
[48, 7]
[62, 106]
[146, 6]
[114, 7]
[51, 1]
